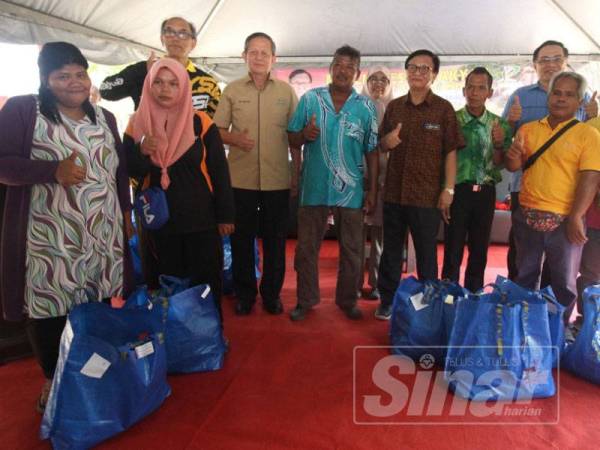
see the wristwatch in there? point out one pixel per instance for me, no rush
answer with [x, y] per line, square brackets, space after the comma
[449, 190]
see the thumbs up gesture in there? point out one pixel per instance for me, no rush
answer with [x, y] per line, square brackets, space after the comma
[151, 60]
[68, 172]
[311, 131]
[591, 107]
[148, 145]
[392, 139]
[244, 141]
[515, 111]
[497, 135]
[516, 151]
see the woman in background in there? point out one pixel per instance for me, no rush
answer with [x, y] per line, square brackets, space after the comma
[63, 236]
[170, 145]
[379, 89]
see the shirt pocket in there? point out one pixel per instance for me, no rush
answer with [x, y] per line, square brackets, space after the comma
[244, 112]
[432, 137]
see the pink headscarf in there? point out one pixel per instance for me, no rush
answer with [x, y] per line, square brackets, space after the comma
[174, 127]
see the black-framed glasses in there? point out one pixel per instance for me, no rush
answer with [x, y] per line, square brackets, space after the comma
[413, 68]
[545, 60]
[179, 34]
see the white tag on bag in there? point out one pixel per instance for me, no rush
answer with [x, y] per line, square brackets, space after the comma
[144, 350]
[95, 367]
[417, 301]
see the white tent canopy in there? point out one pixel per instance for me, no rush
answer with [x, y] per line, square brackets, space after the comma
[308, 31]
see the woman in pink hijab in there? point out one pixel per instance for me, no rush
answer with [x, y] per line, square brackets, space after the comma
[170, 145]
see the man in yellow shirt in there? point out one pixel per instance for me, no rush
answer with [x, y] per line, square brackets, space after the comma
[557, 189]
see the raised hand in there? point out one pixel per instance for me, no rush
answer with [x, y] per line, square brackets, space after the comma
[149, 145]
[515, 111]
[517, 149]
[68, 172]
[311, 131]
[497, 134]
[151, 60]
[591, 107]
[243, 140]
[392, 139]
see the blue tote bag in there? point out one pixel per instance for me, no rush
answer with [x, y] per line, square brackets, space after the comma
[422, 317]
[582, 357]
[193, 332]
[500, 349]
[111, 373]
[228, 268]
[514, 292]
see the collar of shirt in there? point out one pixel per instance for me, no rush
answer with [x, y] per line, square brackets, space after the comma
[428, 99]
[544, 121]
[326, 94]
[248, 78]
[536, 87]
[190, 67]
[466, 117]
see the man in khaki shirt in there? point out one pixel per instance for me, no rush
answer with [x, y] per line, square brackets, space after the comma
[252, 117]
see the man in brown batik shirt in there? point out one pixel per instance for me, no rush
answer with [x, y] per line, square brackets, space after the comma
[422, 134]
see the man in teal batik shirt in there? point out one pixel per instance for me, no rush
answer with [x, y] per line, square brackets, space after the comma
[337, 128]
[478, 170]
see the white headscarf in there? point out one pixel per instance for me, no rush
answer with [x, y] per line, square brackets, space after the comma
[382, 102]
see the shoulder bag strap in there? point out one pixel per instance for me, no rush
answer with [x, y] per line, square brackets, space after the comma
[540, 151]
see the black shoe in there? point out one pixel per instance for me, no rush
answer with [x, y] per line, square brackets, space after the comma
[373, 294]
[274, 308]
[243, 308]
[383, 312]
[298, 314]
[353, 313]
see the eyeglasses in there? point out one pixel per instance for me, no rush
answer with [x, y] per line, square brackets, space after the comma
[413, 68]
[180, 34]
[378, 80]
[550, 60]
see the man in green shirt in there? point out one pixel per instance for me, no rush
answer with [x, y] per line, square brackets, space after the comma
[478, 170]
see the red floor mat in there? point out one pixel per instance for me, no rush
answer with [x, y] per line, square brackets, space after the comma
[290, 386]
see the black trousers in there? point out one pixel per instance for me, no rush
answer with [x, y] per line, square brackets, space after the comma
[511, 256]
[423, 224]
[472, 214]
[44, 336]
[197, 256]
[268, 212]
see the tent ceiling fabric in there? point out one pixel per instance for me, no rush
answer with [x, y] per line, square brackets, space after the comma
[117, 32]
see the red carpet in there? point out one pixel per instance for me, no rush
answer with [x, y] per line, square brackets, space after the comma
[290, 386]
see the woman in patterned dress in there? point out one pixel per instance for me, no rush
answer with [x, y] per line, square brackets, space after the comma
[62, 238]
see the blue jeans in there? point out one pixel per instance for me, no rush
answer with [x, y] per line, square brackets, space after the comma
[563, 258]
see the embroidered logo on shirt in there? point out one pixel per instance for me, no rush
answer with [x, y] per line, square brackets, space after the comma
[432, 126]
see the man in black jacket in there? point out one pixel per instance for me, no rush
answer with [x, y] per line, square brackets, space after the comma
[179, 38]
